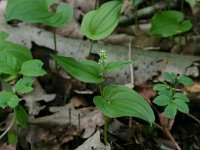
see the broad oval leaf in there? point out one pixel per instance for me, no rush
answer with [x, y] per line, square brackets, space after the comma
[24, 85]
[38, 11]
[3, 36]
[8, 99]
[86, 71]
[169, 23]
[32, 68]
[98, 24]
[116, 66]
[185, 80]
[162, 100]
[118, 101]
[171, 110]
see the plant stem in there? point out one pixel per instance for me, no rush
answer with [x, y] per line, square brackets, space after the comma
[193, 117]
[10, 126]
[91, 46]
[55, 46]
[105, 130]
[169, 135]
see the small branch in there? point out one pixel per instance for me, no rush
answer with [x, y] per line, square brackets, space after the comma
[9, 127]
[193, 117]
[169, 135]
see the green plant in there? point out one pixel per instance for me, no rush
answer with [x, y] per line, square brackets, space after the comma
[168, 95]
[114, 100]
[169, 23]
[16, 63]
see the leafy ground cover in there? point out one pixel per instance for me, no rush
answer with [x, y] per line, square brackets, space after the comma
[72, 106]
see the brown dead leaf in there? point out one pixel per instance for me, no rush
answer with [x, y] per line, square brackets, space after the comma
[32, 99]
[78, 101]
[94, 143]
[194, 88]
[4, 146]
[90, 117]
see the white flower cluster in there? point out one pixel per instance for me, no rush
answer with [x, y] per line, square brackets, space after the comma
[103, 56]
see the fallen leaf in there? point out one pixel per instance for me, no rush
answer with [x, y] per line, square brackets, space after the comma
[94, 143]
[90, 117]
[32, 99]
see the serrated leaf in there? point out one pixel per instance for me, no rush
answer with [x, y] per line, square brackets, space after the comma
[38, 11]
[116, 66]
[8, 64]
[118, 101]
[165, 92]
[181, 106]
[98, 24]
[185, 80]
[12, 137]
[20, 52]
[8, 99]
[162, 100]
[32, 68]
[181, 97]
[169, 23]
[86, 71]
[169, 76]
[171, 110]
[24, 85]
[21, 116]
[160, 87]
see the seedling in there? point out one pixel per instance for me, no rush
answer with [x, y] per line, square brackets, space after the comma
[16, 62]
[168, 95]
[114, 100]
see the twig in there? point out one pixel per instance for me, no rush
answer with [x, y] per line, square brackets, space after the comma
[10, 126]
[131, 74]
[193, 117]
[169, 135]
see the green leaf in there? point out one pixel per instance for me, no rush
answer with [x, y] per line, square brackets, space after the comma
[160, 87]
[116, 66]
[24, 85]
[12, 137]
[169, 76]
[185, 80]
[8, 64]
[86, 71]
[165, 92]
[181, 106]
[169, 23]
[181, 97]
[118, 101]
[3, 36]
[21, 116]
[162, 100]
[38, 11]
[136, 2]
[171, 110]
[8, 99]
[98, 24]
[32, 68]
[20, 52]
